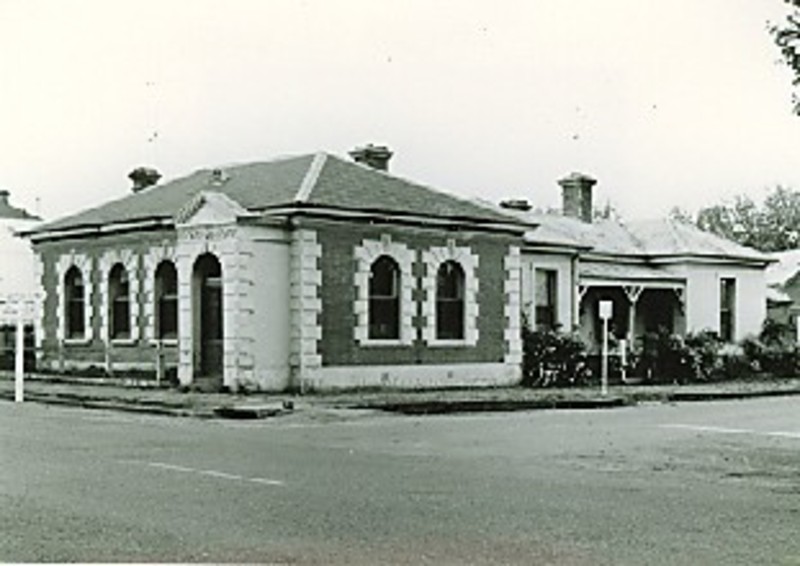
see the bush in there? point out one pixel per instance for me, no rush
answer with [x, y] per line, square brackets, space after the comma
[671, 357]
[773, 351]
[551, 358]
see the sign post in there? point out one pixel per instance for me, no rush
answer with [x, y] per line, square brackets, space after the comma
[606, 309]
[19, 358]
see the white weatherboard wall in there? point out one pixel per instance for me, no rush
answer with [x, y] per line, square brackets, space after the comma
[562, 264]
[703, 297]
[271, 303]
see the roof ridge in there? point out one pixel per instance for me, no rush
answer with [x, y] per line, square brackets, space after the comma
[311, 177]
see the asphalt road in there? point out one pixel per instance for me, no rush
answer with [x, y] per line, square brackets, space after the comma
[701, 483]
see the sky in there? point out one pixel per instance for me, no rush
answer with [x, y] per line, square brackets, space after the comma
[679, 103]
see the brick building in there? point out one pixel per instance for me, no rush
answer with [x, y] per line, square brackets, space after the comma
[305, 272]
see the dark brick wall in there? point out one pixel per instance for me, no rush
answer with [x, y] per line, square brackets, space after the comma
[338, 345]
[93, 352]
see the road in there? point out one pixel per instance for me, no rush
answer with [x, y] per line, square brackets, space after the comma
[701, 483]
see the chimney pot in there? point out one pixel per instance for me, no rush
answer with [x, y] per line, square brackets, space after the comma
[143, 177]
[375, 156]
[576, 195]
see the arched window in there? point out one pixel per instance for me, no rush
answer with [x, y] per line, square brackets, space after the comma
[166, 287]
[119, 302]
[384, 299]
[450, 301]
[75, 326]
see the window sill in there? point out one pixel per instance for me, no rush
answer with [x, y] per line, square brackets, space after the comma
[76, 341]
[163, 341]
[123, 341]
[460, 343]
[375, 342]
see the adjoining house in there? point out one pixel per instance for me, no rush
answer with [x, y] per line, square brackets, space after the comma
[303, 272]
[320, 272]
[783, 290]
[659, 274]
[17, 277]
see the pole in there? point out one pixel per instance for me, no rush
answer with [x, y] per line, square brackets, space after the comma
[604, 368]
[19, 358]
[623, 359]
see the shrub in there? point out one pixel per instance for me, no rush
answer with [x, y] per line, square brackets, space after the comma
[552, 358]
[670, 357]
[773, 351]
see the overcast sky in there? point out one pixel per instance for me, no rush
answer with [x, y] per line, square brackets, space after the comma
[665, 103]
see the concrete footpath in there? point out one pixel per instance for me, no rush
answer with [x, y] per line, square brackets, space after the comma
[146, 397]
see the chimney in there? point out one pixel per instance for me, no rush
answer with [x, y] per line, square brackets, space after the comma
[375, 156]
[143, 177]
[576, 196]
[4, 196]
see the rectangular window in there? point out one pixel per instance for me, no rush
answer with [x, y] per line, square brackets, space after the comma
[546, 284]
[727, 309]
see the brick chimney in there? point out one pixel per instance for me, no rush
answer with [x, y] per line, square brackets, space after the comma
[576, 196]
[375, 156]
[143, 177]
[4, 197]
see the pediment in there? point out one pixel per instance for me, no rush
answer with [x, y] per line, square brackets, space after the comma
[209, 208]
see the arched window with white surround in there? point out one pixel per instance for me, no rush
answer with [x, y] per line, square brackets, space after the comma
[166, 301]
[450, 301]
[74, 304]
[384, 299]
[119, 301]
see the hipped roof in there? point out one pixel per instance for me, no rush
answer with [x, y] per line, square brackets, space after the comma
[313, 181]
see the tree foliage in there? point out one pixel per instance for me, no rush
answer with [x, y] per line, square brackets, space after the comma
[787, 37]
[771, 226]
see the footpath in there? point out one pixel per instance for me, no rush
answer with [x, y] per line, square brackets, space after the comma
[145, 396]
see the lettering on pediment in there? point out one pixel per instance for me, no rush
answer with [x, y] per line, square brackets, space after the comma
[214, 234]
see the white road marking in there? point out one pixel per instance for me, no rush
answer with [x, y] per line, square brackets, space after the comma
[265, 481]
[726, 430]
[171, 467]
[223, 475]
[212, 473]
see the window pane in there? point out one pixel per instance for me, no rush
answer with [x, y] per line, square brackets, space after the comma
[118, 290]
[384, 299]
[450, 301]
[166, 300]
[73, 289]
[546, 283]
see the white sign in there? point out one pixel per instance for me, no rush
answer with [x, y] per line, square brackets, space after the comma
[606, 309]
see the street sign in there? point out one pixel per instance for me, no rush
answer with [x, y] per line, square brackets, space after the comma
[606, 309]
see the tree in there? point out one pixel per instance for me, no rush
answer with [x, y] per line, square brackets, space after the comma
[679, 214]
[787, 38]
[772, 226]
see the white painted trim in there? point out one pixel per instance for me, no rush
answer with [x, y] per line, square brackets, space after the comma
[306, 304]
[366, 254]
[130, 262]
[165, 251]
[84, 263]
[310, 180]
[433, 258]
[512, 309]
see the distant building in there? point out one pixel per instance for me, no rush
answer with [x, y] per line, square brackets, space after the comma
[783, 290]
[659, 274]
[319, 272]
[17, 275]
